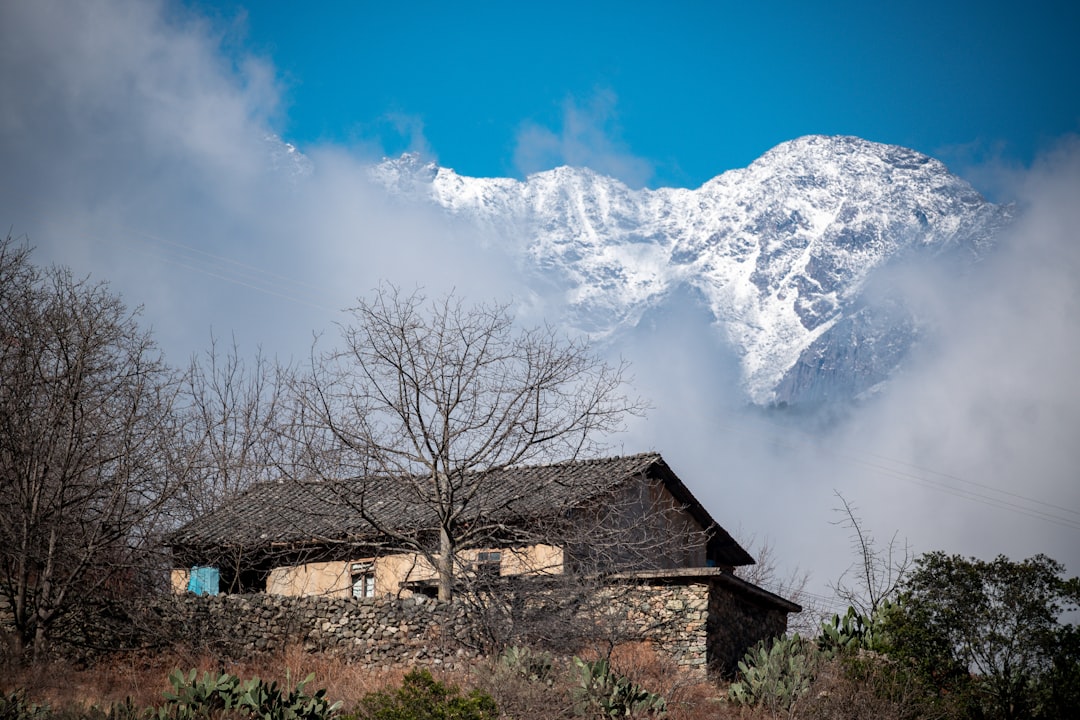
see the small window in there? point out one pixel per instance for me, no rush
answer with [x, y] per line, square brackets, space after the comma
[488, 563]
[363, 580]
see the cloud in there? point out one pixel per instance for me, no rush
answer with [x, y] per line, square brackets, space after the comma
[988, 414]
[589, 137]
[971, 449]
[142, 151]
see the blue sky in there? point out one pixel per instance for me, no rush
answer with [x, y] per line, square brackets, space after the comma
[664, 93]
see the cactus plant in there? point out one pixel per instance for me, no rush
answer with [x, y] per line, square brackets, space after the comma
[774, 675]
[853, 631]
[531, 665]
[226, 694]
[603, 692]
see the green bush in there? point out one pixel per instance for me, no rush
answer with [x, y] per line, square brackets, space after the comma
[775, 674]
[991, 633]
[602, 692]
[422, 697]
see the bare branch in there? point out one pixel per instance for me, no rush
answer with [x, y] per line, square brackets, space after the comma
[438, 395]
[85, 424]
[879, 570]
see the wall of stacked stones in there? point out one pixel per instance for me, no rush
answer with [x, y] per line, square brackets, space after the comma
[736, 624]
[673, 618]
[376, 632]
[699, 626]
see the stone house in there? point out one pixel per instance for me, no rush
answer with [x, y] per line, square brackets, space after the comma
[626, 520]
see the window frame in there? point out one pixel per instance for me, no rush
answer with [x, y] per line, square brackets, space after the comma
[362, 578]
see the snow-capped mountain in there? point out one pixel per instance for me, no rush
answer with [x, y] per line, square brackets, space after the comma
[781, 251]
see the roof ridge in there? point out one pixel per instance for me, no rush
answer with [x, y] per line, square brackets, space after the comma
[593, 461]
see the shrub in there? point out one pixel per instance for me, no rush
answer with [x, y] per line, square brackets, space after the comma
[227, 695]
[603, 692]
[15, 706]
[774, 674]
[867, 686]
[422, 697]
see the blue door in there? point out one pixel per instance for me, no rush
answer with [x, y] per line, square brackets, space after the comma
[204, 581]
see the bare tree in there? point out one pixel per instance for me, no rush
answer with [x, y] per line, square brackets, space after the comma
[230, 410]
[877, 571]
[85, 414]
[439, 397]
[766, 572]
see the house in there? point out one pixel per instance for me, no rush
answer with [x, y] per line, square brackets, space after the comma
[303, 538]
[627, 519]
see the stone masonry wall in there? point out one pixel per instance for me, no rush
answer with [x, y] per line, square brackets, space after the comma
[376, 632]
[736, 624]
[702, 627]
[674, 618]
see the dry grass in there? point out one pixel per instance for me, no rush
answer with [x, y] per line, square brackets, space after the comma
[143, 678]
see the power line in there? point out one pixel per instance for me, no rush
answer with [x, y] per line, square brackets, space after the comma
[232, 271]
[940, 485]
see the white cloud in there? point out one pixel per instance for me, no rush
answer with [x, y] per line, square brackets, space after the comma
[142, 152]
[991, 410]
[589, 137]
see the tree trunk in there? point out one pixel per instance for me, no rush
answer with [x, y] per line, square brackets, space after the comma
[446, 565]
[43, 613]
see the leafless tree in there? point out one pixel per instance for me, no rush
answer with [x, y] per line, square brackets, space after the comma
[583, 598]
[439, 396]
[766, 572]
[230, 409]
[877, 571]
[85, 416]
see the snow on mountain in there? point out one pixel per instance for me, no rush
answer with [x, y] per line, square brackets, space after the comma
[780, 250]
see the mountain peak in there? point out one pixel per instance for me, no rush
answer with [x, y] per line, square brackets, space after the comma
[779, 250]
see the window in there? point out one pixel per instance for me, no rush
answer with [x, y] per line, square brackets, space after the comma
[363, 580]
[488, 563]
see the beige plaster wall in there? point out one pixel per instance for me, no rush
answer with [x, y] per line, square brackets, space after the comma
[533, 560]
[178, 579]
[334, 579]
[319, 578]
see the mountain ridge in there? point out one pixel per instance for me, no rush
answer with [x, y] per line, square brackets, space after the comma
[781, 250]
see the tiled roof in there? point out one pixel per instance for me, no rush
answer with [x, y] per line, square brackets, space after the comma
[290, 512]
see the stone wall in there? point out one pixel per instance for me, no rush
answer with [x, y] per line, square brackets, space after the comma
[700, 625]
[376, 632]
[674, 618]
[735, 624]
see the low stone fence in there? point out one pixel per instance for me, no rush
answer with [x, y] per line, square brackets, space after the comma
[703, 624]
[699, 625]
[377, 632]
